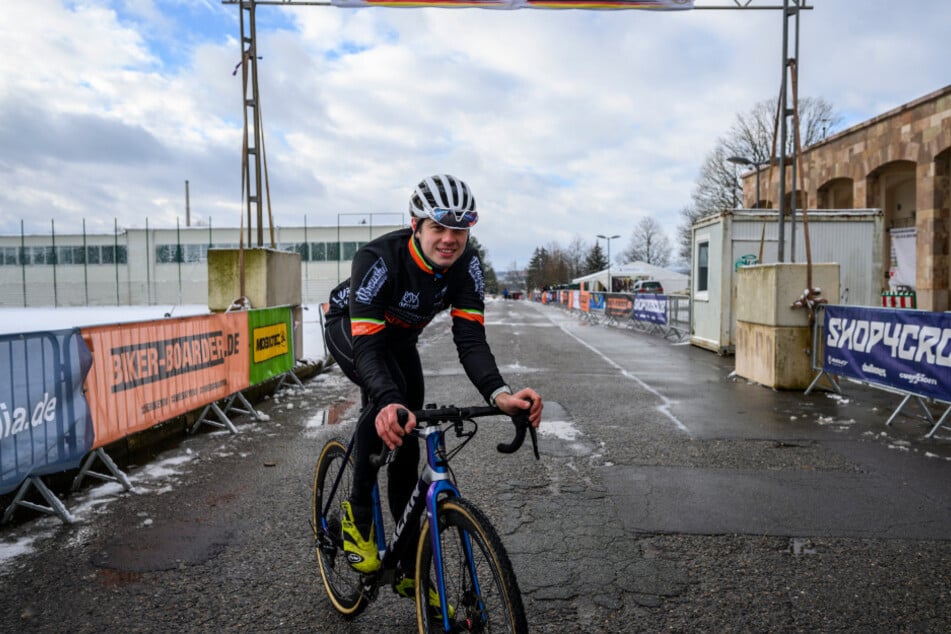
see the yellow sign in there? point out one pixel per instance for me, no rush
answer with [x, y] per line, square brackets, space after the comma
[269, 342]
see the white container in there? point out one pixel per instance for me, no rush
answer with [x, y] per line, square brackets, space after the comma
[851, 238]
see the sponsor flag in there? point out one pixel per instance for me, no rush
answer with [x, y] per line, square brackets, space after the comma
[655, 5]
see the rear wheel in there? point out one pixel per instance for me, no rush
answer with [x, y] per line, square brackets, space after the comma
[340, 580]
[481, 590]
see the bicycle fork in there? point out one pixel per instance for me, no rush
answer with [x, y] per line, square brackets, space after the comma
[441, 486]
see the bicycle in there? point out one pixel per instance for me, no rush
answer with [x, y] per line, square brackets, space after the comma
[459, 556]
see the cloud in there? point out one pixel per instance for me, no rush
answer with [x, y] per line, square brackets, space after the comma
[564, 123]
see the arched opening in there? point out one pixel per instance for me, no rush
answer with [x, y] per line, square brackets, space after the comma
[893, 189]
[942, 228]
[836, 194]
[942, 180]
[802, 200]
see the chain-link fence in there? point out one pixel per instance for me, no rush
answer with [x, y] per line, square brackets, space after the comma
[158, 266]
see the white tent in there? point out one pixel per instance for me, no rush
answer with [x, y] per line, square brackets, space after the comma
[672, 281]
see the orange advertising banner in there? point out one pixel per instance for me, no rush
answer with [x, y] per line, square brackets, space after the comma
[584, 299]
[144, 373]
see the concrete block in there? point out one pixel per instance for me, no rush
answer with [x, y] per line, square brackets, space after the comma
[271, 278]
[774, 356]
[765, 292]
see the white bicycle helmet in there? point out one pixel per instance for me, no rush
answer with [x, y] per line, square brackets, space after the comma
[446, 200]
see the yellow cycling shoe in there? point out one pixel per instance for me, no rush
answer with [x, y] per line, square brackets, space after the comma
[406, 587]
[361, 553]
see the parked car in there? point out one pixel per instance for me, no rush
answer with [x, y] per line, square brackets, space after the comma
[648, 286]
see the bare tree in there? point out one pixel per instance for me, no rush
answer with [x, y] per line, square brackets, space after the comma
[751, 136]
[717, 187]
[688, 215]
[648, 244]
[575, 254]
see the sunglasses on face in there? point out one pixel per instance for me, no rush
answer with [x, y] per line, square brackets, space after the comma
[455, 218]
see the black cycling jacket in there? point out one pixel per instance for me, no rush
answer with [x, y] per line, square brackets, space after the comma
[393, 293]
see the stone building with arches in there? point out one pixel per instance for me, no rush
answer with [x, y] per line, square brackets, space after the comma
[899, 162]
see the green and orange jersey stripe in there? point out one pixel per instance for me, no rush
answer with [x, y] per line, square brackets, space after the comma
[418, 257]
[469, 314]
[396, 321]
[366, 326]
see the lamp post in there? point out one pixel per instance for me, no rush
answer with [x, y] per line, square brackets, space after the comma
[756, 165]
[609, 238]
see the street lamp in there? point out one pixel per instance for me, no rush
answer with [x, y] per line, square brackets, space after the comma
[609, 238]
[742, 160]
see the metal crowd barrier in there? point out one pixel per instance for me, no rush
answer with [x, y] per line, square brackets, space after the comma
[664, 315]
[857, 350]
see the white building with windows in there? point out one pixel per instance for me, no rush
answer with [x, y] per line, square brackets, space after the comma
[160, 266]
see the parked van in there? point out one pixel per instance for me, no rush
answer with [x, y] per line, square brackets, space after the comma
[648, 286]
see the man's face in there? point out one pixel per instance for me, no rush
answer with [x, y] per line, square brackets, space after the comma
[441, 245]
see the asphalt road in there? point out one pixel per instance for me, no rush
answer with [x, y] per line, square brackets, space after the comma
[670, 497]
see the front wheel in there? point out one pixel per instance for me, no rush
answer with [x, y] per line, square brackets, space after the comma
[333, 479]
[481, 589]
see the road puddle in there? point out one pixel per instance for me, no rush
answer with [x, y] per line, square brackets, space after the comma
[336, 414]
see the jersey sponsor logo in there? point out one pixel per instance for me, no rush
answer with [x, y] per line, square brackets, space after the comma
[342, 298]
[372, 282]
[439, 299]
[410, 300]
[475, 272]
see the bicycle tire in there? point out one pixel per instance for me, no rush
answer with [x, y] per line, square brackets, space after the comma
[498, 607]
[341, 582]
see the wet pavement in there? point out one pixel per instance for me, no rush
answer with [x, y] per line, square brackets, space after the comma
[670, 496]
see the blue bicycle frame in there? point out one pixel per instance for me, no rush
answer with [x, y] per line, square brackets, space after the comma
[435, 483]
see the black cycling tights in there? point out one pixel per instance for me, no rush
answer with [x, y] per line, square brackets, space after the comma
[404, 366]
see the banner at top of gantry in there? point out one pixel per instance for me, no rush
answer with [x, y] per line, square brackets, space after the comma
[656, 5]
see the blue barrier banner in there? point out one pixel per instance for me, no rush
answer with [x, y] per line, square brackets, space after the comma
[652, 308]
[45, 424]
[596, 302]
[907, 350]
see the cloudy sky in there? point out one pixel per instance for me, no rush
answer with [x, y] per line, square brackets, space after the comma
[564, 123]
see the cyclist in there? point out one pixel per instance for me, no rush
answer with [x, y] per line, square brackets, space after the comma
[398, 283]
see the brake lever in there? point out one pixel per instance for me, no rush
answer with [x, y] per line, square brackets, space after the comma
[386, 456]
[531, 430]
